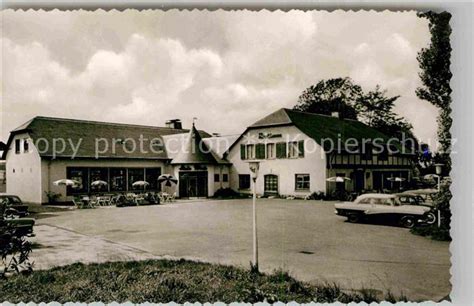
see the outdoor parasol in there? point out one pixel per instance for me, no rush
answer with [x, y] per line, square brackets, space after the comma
[168, 178]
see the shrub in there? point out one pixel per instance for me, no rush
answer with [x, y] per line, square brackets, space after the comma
[441, 203]
[14, 251]
[52, 197]
[317, 195]
[226, 193]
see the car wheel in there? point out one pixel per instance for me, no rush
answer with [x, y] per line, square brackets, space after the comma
[430, 218]
[407, 221]
[353, 218]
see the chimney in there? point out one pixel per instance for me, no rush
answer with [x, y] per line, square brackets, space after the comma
[174, 124]
[335, 114]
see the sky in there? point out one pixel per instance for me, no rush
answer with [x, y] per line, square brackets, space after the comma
[227, 69]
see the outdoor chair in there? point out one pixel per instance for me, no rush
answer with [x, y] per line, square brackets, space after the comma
[114, 199]
[139, 198]
[87, 202]
[103, 201]
[163, 197]
[172, 197]
[77, 202]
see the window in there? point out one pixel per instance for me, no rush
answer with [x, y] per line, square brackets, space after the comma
[270, 150]
[250, 151]
[80, 175]
[151, 176]
[302, 181]
[244, 181]
[216, 177]
[118, 179]
[271, 184]
[301, 148]
[17, 146]
[225, 177]
[99, 174]
[242, 152]
[260, 151]
[134, 175]
[281, 150]
[341, 185]
[25, 145]
[293, 149]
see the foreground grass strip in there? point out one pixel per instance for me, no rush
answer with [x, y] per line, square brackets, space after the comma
[165, 281]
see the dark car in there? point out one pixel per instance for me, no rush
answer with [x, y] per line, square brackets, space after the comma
[9, 219]
[15, 205]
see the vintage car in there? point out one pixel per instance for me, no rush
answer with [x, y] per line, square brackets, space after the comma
[384, 207]
[9, 219]
[426, 194]
[15, 205]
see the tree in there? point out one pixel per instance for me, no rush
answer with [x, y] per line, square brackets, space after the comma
[333, 95]
[435, 75]
[373, 108]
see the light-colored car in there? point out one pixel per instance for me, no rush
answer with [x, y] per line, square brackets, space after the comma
[386, 207]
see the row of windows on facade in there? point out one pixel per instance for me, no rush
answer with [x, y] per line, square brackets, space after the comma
[302, 182]
[368, 159]
[296, 149]
[117, 179]
[26, 145]
[293, 149]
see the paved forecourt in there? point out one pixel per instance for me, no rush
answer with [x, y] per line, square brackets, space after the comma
[304, 238]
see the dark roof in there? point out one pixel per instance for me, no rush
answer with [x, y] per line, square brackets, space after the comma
[74, 130]
[194, 151]
[319, 127]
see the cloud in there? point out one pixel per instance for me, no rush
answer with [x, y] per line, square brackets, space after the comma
[226, 68]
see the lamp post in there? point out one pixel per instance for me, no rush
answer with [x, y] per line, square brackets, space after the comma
[254, 166]
[439, 171]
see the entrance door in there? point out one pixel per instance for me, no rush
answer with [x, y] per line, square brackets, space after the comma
[359, 180]
[271, 184]
[192, 184]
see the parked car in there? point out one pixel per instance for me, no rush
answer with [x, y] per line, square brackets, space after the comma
[426, 194]
[15, 205]
[385, 207]
[408, 198]
[9, 218]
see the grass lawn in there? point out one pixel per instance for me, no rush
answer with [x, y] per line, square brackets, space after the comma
[167, 281]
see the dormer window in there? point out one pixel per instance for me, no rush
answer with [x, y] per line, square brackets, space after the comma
[17, 146]
[26, 145]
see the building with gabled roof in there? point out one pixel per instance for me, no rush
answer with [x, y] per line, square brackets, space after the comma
[198, 168]
[46, 149]
[300, 151]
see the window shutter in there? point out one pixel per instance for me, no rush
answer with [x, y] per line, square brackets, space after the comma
[281, 150]
[242, 152]
[301, 148]
[260, 151]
